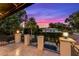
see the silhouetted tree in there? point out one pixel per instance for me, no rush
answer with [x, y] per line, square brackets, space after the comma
[73, 20]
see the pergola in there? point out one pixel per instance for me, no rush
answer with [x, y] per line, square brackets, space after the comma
[6, 9]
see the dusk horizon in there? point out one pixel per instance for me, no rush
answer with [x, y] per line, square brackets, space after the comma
[39, 29]
[46, 13]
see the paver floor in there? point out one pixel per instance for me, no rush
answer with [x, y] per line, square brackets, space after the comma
[21, 50]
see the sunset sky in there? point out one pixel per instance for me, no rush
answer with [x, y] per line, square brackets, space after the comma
[46, 13]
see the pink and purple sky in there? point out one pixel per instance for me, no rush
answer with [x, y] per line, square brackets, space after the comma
[46, 13]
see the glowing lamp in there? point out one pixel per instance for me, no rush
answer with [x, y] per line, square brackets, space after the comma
[65, 34]
[17, 31]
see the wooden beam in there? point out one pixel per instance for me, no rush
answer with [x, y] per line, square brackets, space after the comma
[1, 14]
[15, 4]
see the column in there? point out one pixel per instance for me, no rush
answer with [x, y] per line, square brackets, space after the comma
[40, 43]
[27, 38]
[17, 37]
[65, 46]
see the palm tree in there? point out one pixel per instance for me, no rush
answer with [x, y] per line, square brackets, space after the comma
[32, 25]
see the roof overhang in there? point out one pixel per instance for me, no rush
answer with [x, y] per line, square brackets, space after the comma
[7, 9]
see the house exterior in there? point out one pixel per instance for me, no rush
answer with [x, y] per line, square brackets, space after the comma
[51, 30]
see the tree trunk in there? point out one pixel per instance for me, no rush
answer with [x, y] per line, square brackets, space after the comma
[31, 32]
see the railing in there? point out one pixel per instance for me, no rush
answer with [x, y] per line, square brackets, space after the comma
[74, 50]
